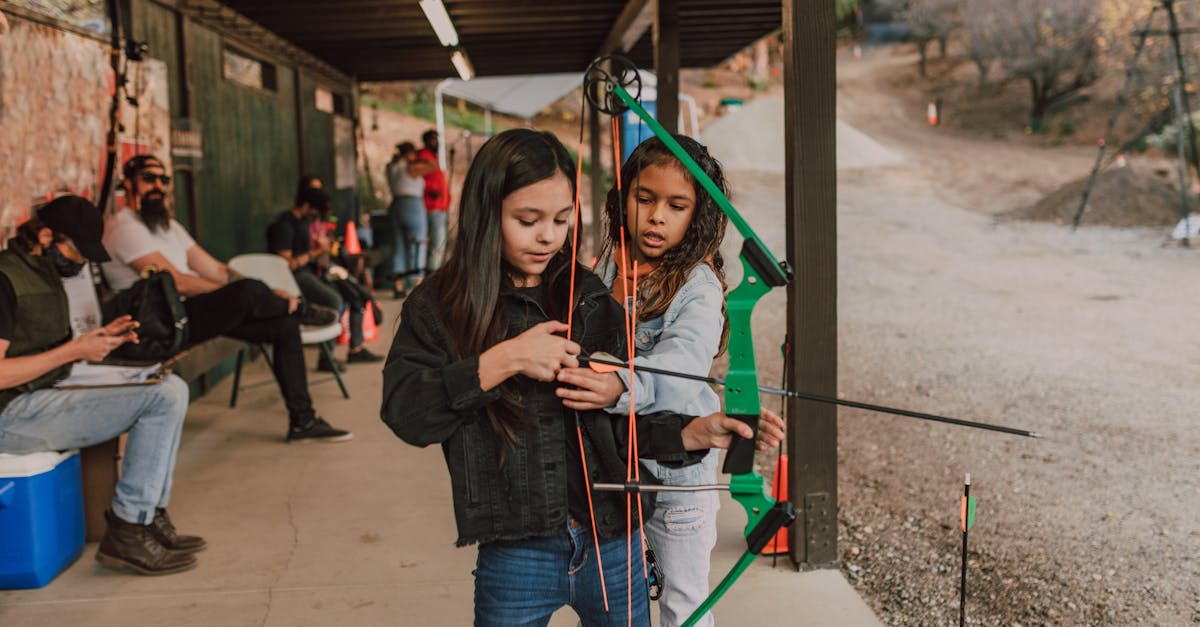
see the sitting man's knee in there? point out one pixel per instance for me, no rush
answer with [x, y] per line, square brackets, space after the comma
[172, 396]
[251, 288]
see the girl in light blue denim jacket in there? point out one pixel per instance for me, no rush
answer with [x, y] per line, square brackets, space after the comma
[673, 229]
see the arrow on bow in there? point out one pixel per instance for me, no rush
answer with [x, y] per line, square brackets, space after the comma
[600, 362]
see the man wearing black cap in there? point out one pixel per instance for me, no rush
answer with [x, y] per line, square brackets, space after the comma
[146, 235]
[37, 350]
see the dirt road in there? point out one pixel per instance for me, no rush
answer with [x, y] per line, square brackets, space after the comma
[1091, 338]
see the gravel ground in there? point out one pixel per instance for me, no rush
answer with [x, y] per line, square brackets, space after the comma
[1090, 338]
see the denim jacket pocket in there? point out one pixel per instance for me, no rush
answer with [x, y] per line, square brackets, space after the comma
[647, 334]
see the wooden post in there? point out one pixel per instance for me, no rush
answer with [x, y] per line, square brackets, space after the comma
[809, 120]
[666, 63]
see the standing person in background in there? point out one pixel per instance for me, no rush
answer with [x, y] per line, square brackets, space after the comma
[437, 201]
[405, 178]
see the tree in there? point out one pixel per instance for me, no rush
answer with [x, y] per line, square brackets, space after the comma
[1052, 44]
[928, 21]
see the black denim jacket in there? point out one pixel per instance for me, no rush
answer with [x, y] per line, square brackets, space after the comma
[431, 395]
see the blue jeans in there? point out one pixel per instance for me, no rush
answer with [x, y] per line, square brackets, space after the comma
[439, 224]
[412, 236]
[683, 532]
[51, 420]
[524, 582]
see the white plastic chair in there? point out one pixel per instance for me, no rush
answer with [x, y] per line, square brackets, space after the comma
[274, 271]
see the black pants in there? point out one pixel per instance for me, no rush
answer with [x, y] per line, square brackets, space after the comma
[334, 294]
[248, 310]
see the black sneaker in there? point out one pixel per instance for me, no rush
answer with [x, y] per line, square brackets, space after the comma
[316, 315]
[317, 430]
[324, 365]
[362, 355]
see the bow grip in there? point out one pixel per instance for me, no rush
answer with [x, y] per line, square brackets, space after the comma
[739, 460]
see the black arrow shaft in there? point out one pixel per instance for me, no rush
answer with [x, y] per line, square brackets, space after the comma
[827, 399]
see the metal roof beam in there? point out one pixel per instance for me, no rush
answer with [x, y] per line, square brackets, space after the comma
[633, 22]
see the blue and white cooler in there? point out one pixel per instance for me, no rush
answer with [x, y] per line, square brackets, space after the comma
[41, 517]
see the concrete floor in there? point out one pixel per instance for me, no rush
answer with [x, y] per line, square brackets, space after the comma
[359, 533]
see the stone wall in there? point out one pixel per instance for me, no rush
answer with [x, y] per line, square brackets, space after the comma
[54, 102]
[55, 93]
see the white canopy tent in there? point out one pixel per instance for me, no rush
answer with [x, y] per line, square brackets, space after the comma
[524, 96]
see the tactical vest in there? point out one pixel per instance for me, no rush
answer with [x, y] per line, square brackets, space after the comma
[43, 320]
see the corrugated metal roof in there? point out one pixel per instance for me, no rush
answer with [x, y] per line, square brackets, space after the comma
[392, 40]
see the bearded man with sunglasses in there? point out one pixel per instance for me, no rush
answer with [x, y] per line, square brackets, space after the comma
[145, 235]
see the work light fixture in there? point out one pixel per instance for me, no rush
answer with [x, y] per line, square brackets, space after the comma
[439, 19]
[462, 64]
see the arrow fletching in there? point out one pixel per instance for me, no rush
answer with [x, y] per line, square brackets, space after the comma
[968, 513]
[604, 363]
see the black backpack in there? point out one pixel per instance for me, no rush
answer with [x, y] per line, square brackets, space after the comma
[154, 302]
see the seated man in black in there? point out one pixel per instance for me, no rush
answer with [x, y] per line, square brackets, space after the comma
[145, 234]
[289, 237]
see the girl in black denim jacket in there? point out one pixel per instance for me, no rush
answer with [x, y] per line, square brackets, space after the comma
[472, 367]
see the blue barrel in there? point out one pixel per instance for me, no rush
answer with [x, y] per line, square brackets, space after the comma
[634, 131]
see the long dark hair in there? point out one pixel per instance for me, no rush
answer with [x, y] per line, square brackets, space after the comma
[468, 286]
[701, 242]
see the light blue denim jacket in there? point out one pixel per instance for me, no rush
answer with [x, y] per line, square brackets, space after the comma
[684, 339]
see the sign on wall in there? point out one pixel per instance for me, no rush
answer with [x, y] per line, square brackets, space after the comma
[344, 155]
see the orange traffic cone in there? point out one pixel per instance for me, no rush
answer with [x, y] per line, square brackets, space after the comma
[352, 245]
[779, 544]
[369, 329]
[344, 338]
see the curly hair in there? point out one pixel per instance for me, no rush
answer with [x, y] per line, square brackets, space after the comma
[701, 242]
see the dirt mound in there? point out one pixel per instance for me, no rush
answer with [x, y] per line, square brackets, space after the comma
[752, 140]
[1135, 195]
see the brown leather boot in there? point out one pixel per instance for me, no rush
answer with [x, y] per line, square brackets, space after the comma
[164, 531]
[126, 546]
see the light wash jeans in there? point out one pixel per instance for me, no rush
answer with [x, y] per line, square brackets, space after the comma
[412, 236]
[683, 532]
[52, 420]
[439, 225]
[522, 583]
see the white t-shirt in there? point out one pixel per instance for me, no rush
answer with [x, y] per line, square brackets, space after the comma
[127, 238]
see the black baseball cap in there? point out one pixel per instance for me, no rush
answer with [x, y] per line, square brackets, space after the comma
[78, 219]
[138, 163]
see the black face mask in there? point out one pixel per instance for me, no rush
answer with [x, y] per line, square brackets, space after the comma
[66, 267]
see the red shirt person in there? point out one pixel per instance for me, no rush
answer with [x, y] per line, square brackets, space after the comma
[437, 201]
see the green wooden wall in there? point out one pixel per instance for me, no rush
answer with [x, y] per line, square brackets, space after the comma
[316, 133]
[253, 138]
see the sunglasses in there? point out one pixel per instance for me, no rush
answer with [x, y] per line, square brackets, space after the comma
[147, 177]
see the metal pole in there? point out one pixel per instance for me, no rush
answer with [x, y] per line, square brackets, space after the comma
[1182, 99]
